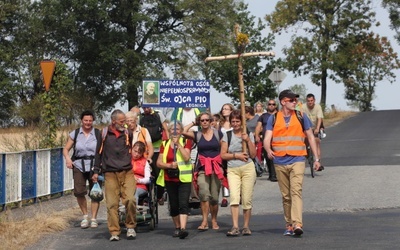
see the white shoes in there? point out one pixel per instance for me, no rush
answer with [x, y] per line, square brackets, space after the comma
[131, 234]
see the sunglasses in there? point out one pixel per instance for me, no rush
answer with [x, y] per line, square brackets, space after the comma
[291, 100]
[271, 104]
[205, 120]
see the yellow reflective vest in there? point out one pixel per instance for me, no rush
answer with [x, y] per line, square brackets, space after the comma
[185, 167]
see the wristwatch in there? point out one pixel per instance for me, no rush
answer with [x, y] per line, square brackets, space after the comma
[317, 160]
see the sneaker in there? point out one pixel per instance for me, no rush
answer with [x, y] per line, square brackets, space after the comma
[183, 233]
[176, 232]
[94, 223]
[298, 230]
[224, 202]
[288, 231]
[131, 234]
[114, 238]
[85, 222]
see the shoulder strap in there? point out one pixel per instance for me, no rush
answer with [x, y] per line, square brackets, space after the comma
[98, 138]
[104, 132]
[143, 135]
[75, 137]
[216, 134]
[198, 136]
[299, 116]
[229, 135]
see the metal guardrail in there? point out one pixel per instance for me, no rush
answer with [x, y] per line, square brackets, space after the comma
[33, 174]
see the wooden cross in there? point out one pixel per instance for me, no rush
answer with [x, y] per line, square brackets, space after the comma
[239, 56]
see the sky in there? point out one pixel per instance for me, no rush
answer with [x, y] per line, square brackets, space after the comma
[386, 93]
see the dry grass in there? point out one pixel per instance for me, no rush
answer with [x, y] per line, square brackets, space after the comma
[21, 234]
[333, 117]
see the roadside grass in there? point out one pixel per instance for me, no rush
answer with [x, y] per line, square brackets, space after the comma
[333, 117]
[23, 233]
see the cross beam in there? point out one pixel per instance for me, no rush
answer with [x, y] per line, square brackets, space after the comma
[239, 56]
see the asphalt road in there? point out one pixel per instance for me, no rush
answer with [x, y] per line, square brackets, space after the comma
[353, 204]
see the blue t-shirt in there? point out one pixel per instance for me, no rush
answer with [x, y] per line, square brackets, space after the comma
[288, 159]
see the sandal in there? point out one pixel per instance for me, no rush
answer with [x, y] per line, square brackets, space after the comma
[246, 231]
[94, 223]
[233, 232]
[84, 223]
[202, 228]
[215, 226]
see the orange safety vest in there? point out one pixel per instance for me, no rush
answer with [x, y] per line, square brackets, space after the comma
[288, 139]
[138, 169]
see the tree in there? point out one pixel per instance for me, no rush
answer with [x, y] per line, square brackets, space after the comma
[376, 61]
[9, 16]
[113, 45]
[393, 6]
[325, 24]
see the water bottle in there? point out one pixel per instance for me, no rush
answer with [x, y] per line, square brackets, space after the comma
[226, 192]
[322, 133]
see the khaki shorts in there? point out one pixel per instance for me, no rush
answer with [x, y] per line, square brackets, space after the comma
[209, 187]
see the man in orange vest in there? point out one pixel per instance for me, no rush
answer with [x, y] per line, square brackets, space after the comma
[284, 143]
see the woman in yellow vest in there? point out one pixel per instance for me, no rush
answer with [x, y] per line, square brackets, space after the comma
[176, 176]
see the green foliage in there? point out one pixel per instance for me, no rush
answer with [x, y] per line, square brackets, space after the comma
[324, 25]
[393, 6]
[376, 61]
[301, 90]
[53, 105]
[110, 46]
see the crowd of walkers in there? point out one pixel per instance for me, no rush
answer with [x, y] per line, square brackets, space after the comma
[192, 155]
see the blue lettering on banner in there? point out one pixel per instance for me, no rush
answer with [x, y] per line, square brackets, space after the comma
[181, 93]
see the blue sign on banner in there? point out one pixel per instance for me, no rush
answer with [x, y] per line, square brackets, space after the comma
[176, 93]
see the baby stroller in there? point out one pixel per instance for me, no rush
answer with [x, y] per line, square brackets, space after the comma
[146, 210]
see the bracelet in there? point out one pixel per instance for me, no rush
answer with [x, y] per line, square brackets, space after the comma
[234, 157]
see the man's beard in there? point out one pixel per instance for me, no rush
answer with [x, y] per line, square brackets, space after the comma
[119, 127]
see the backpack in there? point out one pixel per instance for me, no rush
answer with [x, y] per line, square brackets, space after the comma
[153, 124]
[98, 138]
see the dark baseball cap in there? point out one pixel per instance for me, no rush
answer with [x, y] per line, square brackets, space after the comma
[287, 93]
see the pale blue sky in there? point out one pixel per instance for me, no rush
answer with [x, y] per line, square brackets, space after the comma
[386, 93]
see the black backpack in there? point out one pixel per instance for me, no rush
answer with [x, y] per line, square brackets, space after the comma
[153, 124]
